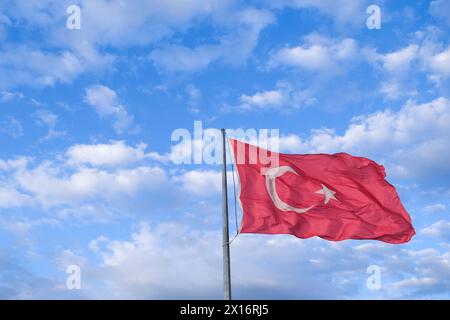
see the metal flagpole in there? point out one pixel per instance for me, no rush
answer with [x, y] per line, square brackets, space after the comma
[226, 244]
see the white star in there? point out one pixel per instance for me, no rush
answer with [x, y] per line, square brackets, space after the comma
[328, 194]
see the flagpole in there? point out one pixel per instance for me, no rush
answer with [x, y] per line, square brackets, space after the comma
[226, 244]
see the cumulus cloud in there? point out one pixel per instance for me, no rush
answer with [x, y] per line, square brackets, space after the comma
[265, 98]
[52, 187]
[147, 266]
[115, 153]
[411, 141]
[434, 208]
[49, 120]
[33, 67]
[10, 195]
[234, 48]
[83, 177]
[178, 58]
[400, 67]
[174, 264]
[139, 22]
[284, 98]
[6, 96]
[439, 230]
[440, 63]
[127, 23]
[107, 105]
[396, 67]
[70, 54]
[29, 65]
[430, 277]
[318, 53]
[95, 182]
[201, 183]
[398, 62]
[17, 163]
[11, 198]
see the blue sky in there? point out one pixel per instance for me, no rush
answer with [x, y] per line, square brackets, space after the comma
[88, 172]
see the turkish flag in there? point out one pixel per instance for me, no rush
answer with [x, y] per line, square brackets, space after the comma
[332, 196]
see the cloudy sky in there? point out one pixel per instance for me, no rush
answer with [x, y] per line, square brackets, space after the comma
[88, 170]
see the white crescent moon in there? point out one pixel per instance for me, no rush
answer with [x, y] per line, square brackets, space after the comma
[271, 175]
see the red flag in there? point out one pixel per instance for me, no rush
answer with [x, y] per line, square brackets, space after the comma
[332, 196]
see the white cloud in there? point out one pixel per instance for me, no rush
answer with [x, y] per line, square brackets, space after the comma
[23, 226]
[317, 54]
[138, 22]
[28, 65]
[173, 259]
[6, 96]
[141, 23]
[18, 163]
[48, 119]
[399, 68]
[147, 266]
[69, 54]
[265, 98]
[399, 62]
[96, 181]
[394, 89]
[233, 48]
[24, 65]
[396, 67]
[52, 186]
[115, 153]
[291, 143]
[434, 207]
[439, 230]
[440, 63]
[106, 103]
[200, 183]
[87, 213]
[67, 183]
[313, 58]
[4, 19]
[394, 128]
[415, 282]
[177, 58]
[413, 140]
[284, 98]
[10, 195]
[430, 276]
[11, 198]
